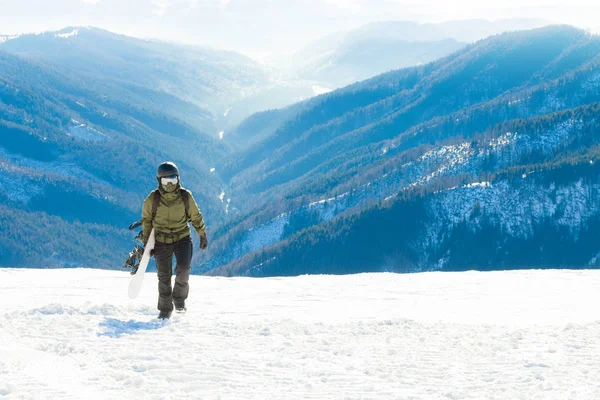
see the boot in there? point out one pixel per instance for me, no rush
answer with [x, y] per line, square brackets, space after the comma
[180, 306]
[164, 315]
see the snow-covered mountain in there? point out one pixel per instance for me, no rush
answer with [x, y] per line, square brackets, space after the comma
[228, 85]
[210, 79]
[86, 115]
[495, 335]
[515, 207]
[347, 57]
[334, 160]
[78, 156]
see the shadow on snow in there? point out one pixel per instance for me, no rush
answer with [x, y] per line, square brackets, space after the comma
[115, 328]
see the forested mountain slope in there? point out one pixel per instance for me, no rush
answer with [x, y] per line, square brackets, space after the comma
[73, 150]
[399, 133]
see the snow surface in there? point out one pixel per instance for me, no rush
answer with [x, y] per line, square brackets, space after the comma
[74, 334]
[67, 35]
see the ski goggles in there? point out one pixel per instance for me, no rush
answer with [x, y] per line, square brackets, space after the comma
[165, 180]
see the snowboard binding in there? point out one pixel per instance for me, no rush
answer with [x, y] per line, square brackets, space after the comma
[135, 256]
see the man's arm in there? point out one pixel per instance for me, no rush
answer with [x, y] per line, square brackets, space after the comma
[198, 222]
[147, 217]
[196, 217]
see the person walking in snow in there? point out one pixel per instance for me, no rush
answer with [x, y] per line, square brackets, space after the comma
[168, 210]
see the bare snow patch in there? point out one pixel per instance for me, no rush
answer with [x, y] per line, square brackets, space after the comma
[21, 176]
[87, 133]
[7, 38]
[67, 35]
[17, 185]
[265, 235]
[515, 207]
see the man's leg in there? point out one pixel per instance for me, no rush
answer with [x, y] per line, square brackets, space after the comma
[163, 254]
[183, 254]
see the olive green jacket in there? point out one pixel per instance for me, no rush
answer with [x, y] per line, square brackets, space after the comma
[170, 223]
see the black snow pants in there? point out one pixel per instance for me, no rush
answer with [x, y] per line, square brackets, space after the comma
[163, 254]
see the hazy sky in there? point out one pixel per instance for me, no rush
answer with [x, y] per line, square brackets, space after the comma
[254, 26]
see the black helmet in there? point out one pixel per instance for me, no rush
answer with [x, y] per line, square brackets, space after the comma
[167, 169]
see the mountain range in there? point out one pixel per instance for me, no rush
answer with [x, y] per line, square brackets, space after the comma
[225, 86]
[483, 158]
[84, 151]
[409, 170]
[347, 57]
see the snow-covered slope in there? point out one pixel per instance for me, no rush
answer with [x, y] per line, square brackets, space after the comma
[442, 161]
[74, 334]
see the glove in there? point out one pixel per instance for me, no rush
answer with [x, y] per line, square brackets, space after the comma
[203, 241]
[151, 251]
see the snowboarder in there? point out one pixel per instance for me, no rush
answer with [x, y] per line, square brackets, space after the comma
[168, 210]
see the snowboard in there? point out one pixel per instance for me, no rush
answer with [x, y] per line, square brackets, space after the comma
[136, 282]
